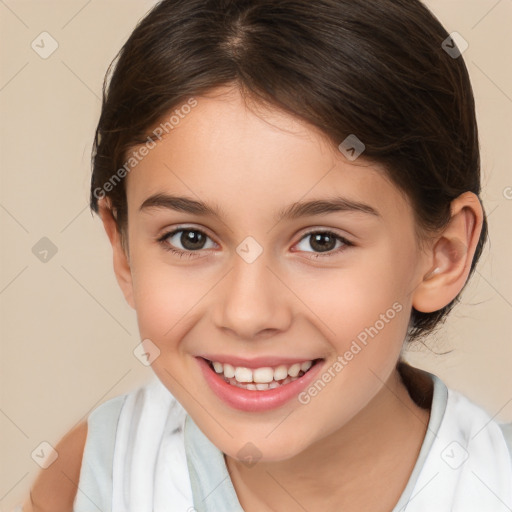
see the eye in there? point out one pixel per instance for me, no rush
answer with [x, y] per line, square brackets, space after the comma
[192, 240]
[324, 242]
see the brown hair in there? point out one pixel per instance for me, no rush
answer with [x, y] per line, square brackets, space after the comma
[373, 68]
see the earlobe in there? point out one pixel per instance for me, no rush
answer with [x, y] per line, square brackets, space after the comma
[450, 256]
[121, 261]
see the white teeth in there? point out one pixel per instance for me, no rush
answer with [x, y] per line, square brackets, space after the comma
[306, 365]
[294, 370]
[261, 378]
[280, 372]
[263, 375]
[229, 371]
[243, 374]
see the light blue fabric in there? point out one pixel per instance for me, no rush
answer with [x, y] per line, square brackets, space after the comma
[211, 484]
[212, 487]
[94, 492]
[506, 428]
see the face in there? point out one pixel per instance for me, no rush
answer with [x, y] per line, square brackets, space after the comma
[251, 290]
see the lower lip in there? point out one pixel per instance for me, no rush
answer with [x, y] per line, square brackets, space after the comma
[256, 401]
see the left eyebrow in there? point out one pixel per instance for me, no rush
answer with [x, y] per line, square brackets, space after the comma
[323, 207]
[293, 211]
[180, 204]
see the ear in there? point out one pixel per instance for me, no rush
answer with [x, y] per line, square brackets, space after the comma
[122, 268]
[450, 256]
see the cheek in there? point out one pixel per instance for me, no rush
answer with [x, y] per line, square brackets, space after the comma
[365, 330]
[347, 301]
[163, 296]
[365, 312]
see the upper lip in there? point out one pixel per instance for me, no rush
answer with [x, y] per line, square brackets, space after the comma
[256, 362]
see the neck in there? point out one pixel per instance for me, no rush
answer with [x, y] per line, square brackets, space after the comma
[350, 468]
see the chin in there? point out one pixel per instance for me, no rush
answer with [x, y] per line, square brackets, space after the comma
[259, 450]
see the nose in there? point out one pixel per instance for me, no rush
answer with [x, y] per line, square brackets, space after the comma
[252, 302]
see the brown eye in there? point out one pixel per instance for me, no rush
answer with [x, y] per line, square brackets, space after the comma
[323, 242]
[190, 240]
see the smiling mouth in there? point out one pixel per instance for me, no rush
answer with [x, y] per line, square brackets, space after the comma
[261, 379]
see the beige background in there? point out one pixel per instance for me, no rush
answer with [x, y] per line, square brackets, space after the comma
[67, 334]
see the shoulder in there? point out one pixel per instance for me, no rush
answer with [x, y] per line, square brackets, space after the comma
[467, 412]
[462, 411]
[86, 453]
[55, 487]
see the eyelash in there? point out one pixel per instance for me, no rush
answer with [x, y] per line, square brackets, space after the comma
[190, 254]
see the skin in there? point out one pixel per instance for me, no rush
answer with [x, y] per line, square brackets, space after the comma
[340, 450]
[55, 487]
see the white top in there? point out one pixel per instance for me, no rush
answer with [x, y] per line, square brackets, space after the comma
[145, 454]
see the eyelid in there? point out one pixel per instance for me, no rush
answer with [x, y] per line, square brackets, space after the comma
[324, 229]
[347, 239]
[167, 232]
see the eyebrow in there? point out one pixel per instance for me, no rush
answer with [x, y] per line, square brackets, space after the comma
[293, 211]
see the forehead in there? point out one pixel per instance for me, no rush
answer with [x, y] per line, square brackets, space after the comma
[248, 158]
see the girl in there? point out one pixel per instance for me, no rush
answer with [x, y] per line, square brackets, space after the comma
[291, 191]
